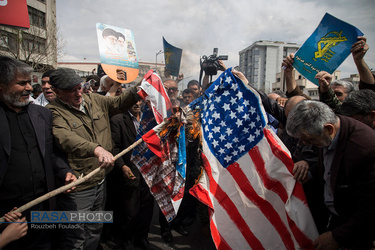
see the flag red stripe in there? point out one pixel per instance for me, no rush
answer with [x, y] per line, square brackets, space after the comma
[264, 206]
[218, 239]
[153, 142]
[269, 182]
[288, 162]
[202, 195]
[158, 116]
[299, 193]
[160, 89]
[230, 208]
[278, 152]
[142, 94]
[304, 242]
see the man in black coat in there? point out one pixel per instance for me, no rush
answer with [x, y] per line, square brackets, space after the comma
[28, 165]
[128, 194]
[348, 171]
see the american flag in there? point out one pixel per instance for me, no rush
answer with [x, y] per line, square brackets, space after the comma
[247, 180]
[153, 92]
[159, 158]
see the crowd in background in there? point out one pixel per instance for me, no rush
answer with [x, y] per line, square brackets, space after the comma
[55, 132]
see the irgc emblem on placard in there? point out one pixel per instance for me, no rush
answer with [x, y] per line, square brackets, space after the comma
[327, 42]
[326, 48]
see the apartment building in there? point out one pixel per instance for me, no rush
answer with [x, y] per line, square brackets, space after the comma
[37, 45]
[261, 61]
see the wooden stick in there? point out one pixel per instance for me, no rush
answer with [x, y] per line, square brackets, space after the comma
[70, 185]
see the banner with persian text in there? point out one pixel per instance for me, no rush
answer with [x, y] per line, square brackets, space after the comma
[326, 48]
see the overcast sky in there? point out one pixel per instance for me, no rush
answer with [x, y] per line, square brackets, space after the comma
[199, 26]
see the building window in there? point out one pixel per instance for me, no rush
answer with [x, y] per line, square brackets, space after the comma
[313, 93]
[8, 41]
[285, 52]
[4, 40]
[37, 18]
[34, 44]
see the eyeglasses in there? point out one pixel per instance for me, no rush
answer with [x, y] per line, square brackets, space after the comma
[174, 89]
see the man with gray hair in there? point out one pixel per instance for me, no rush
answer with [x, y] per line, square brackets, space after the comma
[81, 129]
[28, 160]
[109, 87]
[360, 105]
[342, 88]
[333, 93]
[348, 172]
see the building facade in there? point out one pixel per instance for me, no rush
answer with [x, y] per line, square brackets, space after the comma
[261, 61]
[37, 46]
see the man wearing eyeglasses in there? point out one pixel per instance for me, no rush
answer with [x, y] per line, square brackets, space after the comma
[170, 86]
[48, 95]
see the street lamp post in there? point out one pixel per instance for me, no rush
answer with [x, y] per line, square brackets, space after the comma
[156, 61]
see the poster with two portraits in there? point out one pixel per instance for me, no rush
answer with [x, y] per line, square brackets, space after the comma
[118, 53]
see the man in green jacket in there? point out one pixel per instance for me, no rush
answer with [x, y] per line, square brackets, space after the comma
[81, 129]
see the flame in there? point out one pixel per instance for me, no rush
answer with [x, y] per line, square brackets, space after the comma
[173, 123]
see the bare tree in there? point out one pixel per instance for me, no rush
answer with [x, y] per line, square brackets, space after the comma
[61, 44]
[39, 47]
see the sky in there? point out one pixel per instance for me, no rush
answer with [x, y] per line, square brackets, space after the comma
[198, 27]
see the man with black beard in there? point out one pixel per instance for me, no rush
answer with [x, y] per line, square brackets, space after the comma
[28, 165]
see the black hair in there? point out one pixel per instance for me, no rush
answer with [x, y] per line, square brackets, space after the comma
[48, 73]
[187, 91]
[192, 83]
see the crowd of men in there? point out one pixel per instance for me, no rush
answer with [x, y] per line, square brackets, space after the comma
[72, 127]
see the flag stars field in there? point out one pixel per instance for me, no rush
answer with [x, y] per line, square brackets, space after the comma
[228, 111]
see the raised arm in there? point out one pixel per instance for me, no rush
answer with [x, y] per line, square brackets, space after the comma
[287, 64]
[359, 50]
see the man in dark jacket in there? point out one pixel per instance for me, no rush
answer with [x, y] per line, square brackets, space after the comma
[128, 193]
[28, 164]
[348, 171]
